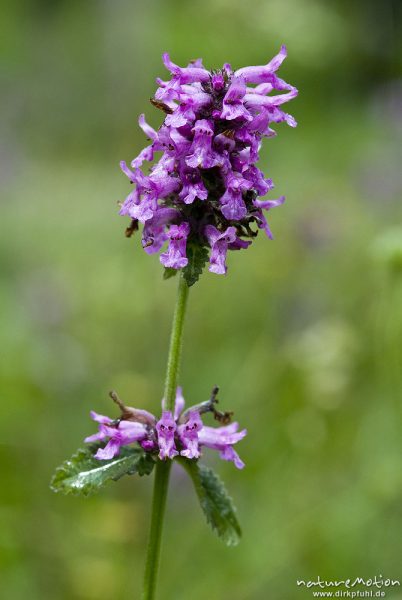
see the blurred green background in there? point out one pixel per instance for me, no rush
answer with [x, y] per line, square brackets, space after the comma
[304, 336]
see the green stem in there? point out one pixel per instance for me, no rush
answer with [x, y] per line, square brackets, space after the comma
[162, 469]
[174, 355]
[161, 483]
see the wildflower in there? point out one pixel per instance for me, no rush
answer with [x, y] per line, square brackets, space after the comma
[166, 428]
[125, 433]
[219, 242]
[175, 257]
[202, 154]
[154, 234]
[188, 434]
[181, 433]
[233, 206]
[206, 175]
[223, 441]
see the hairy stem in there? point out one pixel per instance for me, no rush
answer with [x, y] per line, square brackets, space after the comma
[174, 355]
[162, 470]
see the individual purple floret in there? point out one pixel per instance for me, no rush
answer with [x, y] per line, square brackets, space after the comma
[188, 435]
[220, 241]
[175, 257]
[223, 441]
[182, 433]
[206, 178]
[127, 432]
[166, 429]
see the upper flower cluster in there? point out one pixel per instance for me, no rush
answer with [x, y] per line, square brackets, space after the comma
[181, 433]
[205, 188]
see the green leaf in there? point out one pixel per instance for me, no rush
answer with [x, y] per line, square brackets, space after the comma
[215, 502]
[197, 257]
[83, 474]
[168, 272]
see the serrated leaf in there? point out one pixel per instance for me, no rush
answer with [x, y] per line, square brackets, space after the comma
[197, 257]
[168, 272]
[215, 502]
[83, 474]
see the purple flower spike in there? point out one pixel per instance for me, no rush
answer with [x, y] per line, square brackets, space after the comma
[166, 428]
[175, 257]
[209, 144]
[188, 435]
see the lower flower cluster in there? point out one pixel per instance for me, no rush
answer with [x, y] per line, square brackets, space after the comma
[179, 433]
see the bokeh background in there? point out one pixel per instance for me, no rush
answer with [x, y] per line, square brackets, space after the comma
[304, 336]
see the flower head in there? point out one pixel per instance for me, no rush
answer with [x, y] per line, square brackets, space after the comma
[179, 433]
[205, 179]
